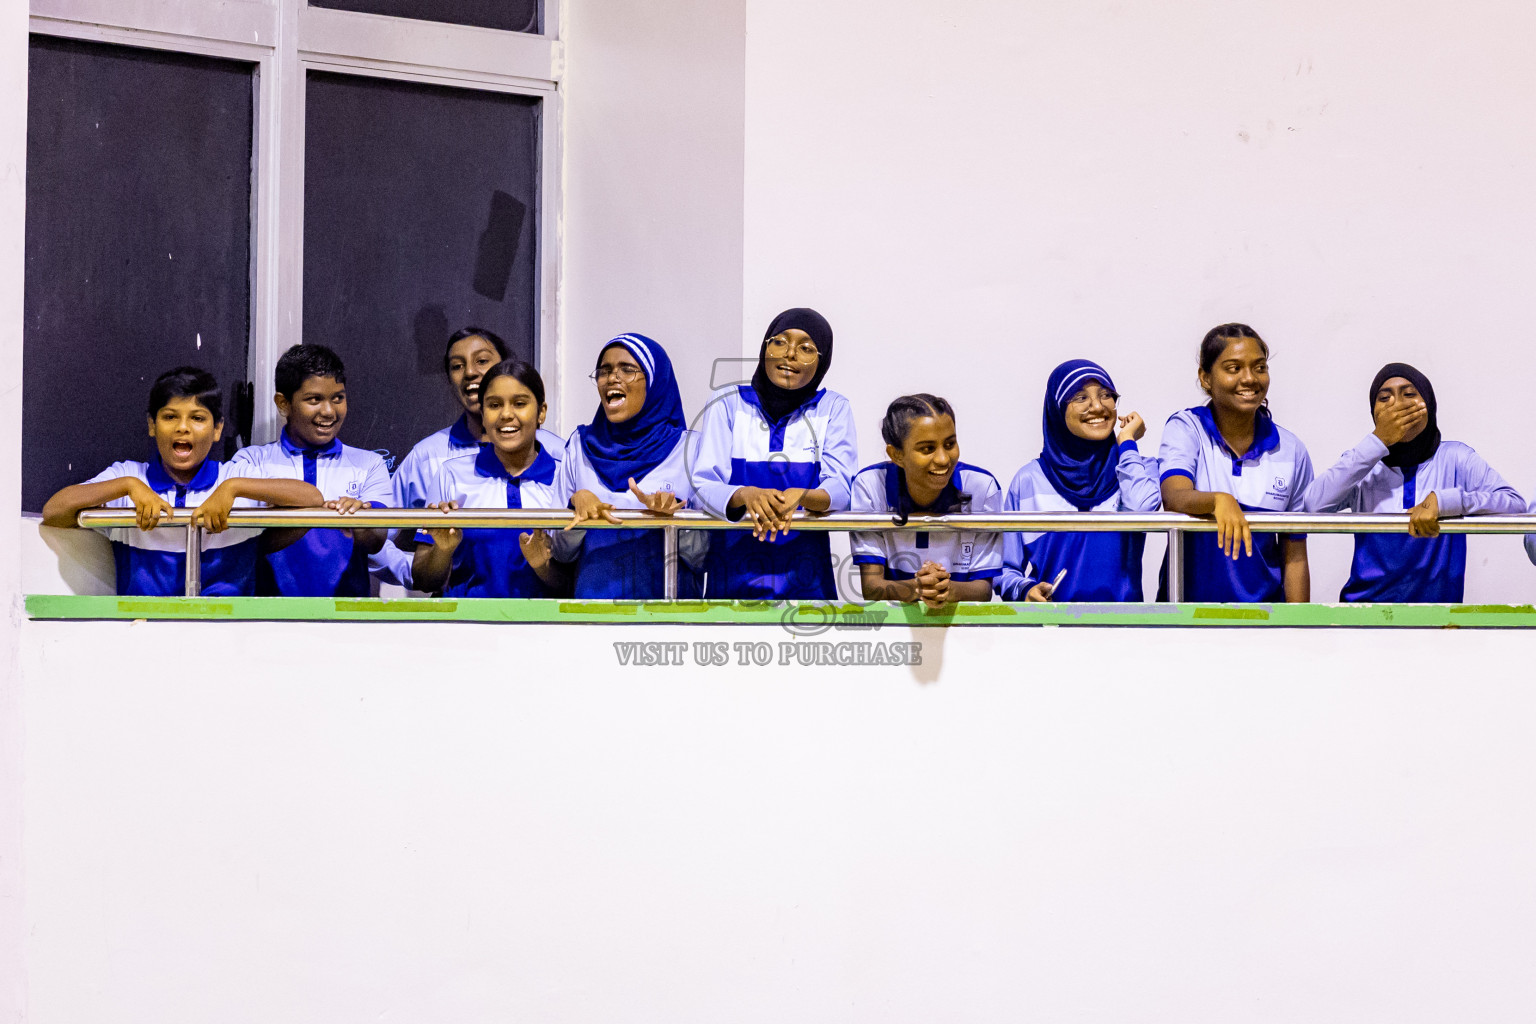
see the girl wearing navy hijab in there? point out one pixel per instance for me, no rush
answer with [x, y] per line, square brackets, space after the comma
[1087, 466]
[1404, 465]
[633, 455]
[771, 447]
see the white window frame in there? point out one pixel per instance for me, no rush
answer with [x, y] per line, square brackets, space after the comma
[286, 39]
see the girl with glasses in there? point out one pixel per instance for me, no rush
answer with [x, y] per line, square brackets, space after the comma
[1089, 463]
[768, 449]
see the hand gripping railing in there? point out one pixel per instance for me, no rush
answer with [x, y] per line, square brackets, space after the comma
[1174, 524]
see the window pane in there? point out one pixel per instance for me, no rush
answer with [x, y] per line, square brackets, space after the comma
[510, 15]
[420, 217]
[138, 245]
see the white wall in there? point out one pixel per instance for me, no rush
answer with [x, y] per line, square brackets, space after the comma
[653, 180]
[976, 191]
[13, 169]
[501, 824]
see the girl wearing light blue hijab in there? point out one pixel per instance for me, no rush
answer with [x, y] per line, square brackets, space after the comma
[1083, 466]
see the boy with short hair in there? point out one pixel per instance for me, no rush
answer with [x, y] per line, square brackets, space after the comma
[312, 399]
[185, 420]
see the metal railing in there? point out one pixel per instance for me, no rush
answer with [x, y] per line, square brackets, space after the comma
[1173, 524]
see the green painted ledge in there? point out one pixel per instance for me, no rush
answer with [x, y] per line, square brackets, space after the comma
[805, 619]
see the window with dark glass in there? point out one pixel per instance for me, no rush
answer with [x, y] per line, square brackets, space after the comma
[508, 15]
[138, 241]
[420, 217]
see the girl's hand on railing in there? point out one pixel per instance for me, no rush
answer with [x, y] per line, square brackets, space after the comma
[536, 548]
[346, 506]
[1040, 592]
[148, 506]
[762, 507]
[589, 508]
[1132, 428]
[1424, 518]
[657, 503]
[1232, 531]
[445, 537]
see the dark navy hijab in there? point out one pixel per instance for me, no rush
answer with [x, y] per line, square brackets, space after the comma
[1082, 471]
[778, 403]
[1422, 448]
[633, 448]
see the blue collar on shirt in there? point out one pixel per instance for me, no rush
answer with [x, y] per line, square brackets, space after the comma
[949, 499]
[777, 428]
[1266, 436]
[324, 451]
[540, 471]
[459, 435]
[159, 480]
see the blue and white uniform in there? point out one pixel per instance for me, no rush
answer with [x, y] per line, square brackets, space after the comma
[967, 554]
[1395, 566]
[417, 474]
[490, 563]
[153, 563]
[814, 447]
[1100, 566]
[627, 565]
[1271, 476]
[322, 563]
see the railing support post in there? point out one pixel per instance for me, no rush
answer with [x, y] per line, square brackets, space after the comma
[1176, 566]
[669, 562]
[194, 560]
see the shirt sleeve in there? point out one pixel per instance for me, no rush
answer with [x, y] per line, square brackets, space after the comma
[1338, 488]
[1530, 539]
[1179, 452]
[244, 464]
[1013, 584]
[1302, 483]
[839, 457]
[391, 565]
[1140, 488]
[431, 495]
[712, 460]
[377, 489]
[1482, 492]
[116, 471]
[987, 555]
[868, 547]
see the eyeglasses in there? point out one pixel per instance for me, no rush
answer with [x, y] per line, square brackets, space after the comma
[805, 352]
[1081, 398]
[625, 373]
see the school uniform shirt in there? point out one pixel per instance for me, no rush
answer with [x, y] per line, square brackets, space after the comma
[967, 554]
[417, 474]
[1271, 476]
[1395, 566]
[153, 563]
[490, 563]
[323, 562]
[1100, 566]
[815, 448]
[624, 565]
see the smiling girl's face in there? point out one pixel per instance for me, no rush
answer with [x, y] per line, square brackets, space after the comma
[1238, 381]
[928, 456]
[468, 359]
[791, 359]
[1090, 414]
[620, 384]
[512, 417]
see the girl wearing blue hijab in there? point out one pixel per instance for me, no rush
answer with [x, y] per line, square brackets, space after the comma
[1084, 466]
[631, 456]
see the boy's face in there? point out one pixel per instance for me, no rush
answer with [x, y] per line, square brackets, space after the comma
[316, 411]
[184, 432]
